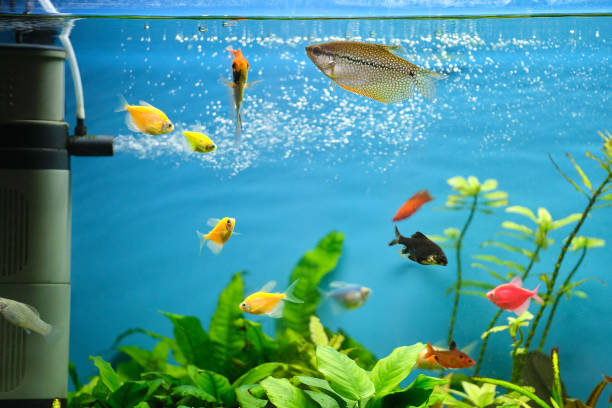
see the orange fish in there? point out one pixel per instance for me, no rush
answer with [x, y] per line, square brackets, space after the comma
[411, 206]
[435, 359]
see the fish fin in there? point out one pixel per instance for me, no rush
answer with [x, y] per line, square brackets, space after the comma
[430, 350]
[249, 84]
[268, 286]
[122, 104]
[397, 237]
[238, 129]
[277, 312]
[147, 104]
[226, 82]
[338, 284]
[289, 293]
[215, 247]
[33, 309]
[517, 281]
[236, 233]
[202, 238]
[536, 297]
[336, 307]
[522, 308]
[212, 222]
[192, 144]
[418, 235]
[129, 122]
[452, 345]
[54, 334]
[395, 49]
[425, 82]
[28, 331]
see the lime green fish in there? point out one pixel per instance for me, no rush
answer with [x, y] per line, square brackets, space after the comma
[372, 70]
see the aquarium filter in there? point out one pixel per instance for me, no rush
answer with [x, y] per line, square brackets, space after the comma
[35, 218]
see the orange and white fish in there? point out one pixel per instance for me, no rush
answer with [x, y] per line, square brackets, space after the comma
[145, 118]
[372, 70]
[270, 304]
[240, 73]
[512, 296]
[436, 359]
[219, 235]
[412, 205]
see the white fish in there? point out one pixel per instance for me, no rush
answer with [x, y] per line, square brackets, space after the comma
[25, 316]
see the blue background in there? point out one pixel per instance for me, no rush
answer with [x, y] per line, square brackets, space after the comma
[316, 158]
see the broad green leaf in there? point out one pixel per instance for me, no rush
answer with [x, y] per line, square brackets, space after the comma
[192, 391]
[607, 197]
[512, 248]
[362, 356]
[495, 203]
[322, 386]
[496, 195]
[415, 395]
[510, 264]
[345, 376]
[310, 269]
[324, 400]
[191, 338]
[494, 329]
[457, 183]
[150, 361]
[390, 371]
[581, 242]
[585, 179]
[317, 332]
[283, 394]
[225, 339]
[129, 394]
[517, 227]
[142, 404]
[473, 182]
[451, 232]
[258, 347]
[488, 185]
[567, 220]
[517, 209]
[107, 374]
[212, 383]
[480, 396]
[256, 374]
[248, 400]
[469, 284]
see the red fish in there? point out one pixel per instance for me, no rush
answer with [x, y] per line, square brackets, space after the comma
[411, 206]
[512, 296]
[435, 359]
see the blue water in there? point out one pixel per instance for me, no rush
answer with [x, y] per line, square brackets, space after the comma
[317, 158]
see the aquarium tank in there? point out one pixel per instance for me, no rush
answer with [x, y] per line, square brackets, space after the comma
[303, 204]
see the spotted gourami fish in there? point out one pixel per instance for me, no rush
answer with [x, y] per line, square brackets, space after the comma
[349, 295]
[145, 118]
[437, 359]
[219, 235]
[372, 70]
[512, 296]
[412, 205]
[270, 304]
[420, 249]
[199, 142]
[240, 72]
[25, 316]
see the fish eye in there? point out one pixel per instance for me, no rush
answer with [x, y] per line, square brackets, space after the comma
[234, 65]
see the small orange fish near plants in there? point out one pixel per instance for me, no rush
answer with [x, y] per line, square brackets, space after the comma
[436, 359]
[270, 304]
[412, 205]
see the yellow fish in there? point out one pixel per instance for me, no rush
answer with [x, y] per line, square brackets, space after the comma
[25, 316]
[372, 70]
[199, 142]
[56, 403]
[270, 304]
[219, 235]
[145, 118]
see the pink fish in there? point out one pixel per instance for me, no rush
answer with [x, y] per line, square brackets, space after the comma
[511, 296]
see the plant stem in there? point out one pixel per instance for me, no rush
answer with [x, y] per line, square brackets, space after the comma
[550, 286]
[558, 297]
[499, 312]
[513, 387]
[458, 286]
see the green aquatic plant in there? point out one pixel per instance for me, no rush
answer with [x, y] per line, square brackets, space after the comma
[596, 198]
[473, 196]
[537, 237]
[481, 397]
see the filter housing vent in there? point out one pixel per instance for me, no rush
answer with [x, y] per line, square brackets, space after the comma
[14, 217]
[12, 356]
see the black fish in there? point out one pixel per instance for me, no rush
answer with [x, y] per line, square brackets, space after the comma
[420, 249]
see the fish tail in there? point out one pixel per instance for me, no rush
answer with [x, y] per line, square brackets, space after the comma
[238, 130]
[289, 296]
[54, 334]
[122, 104]
[397, 237]
[202, 239]
[430, 351]
[425, 82]
[536, 297]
